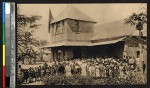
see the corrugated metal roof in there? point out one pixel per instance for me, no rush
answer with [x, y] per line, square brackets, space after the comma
[108, 42]
[74, 43]
[113, 29]
[72, 13]
[68, 43]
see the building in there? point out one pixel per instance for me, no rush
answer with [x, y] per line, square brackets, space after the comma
[75, 35]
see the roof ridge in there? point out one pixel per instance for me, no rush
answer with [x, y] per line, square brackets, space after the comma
[73, 13]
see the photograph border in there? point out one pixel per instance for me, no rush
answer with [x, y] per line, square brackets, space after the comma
[82, 2]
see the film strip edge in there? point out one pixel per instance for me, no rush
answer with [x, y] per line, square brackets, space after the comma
[13, 61]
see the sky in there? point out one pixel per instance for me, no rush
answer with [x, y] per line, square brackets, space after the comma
[101, 13]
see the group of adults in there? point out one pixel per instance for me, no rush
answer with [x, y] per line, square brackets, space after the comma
[94, 67]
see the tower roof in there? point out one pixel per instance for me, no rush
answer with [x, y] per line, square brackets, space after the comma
[72, 13]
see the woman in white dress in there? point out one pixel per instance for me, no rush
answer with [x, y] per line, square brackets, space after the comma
[97, 69]
[121, 71]
[84, 69]
[100, 69]
[104, 71]
[88, 64]
[68, 70]
[90, 69]
[93, 70]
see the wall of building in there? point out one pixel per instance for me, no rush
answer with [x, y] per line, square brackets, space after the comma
[85, 30]
[67, 53]
[111, 50]
[62, 54]
[132, 52]
[67, 30]
[58, 32]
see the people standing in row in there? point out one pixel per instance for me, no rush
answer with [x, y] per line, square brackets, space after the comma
[99, 68]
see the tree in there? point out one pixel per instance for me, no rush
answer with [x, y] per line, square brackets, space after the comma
[26, 26]
[41, 43]
[138, 20]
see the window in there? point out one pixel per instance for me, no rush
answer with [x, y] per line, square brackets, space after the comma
[63, 22]
[138, 53]
[77, 25]
[57, 27]
[52, 25]
[63, 25]
[58, 30]
[58, 24]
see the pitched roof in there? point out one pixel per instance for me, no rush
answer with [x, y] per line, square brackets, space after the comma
[113, 29]
[72, 13]
[68, 43]
[108, 41]
[73, 43]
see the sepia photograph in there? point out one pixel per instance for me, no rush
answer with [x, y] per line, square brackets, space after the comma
[81, 44]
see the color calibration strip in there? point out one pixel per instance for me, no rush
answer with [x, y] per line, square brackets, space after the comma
[4, 47]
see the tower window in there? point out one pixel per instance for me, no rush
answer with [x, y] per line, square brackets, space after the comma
[138, 53]
[52, 25]
[63, 22]
[77, 25]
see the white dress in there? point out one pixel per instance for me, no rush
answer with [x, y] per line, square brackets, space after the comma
[84, 69]
[93, 71]
[97, 71]
[68, 70]
[90, 70]
[121, 71]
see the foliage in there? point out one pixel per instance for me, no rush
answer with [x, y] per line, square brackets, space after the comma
[26, 42]
[88, 80]
[137, 20]
[41, 43]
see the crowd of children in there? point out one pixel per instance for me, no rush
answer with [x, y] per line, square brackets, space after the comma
[95, 67]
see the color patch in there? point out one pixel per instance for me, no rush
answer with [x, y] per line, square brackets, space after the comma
[4, 55]
[4, 77]
[4, 36]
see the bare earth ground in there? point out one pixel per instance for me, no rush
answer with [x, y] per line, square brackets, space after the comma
[34, 83]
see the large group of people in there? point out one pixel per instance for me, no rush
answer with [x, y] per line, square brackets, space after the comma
[94, 67]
